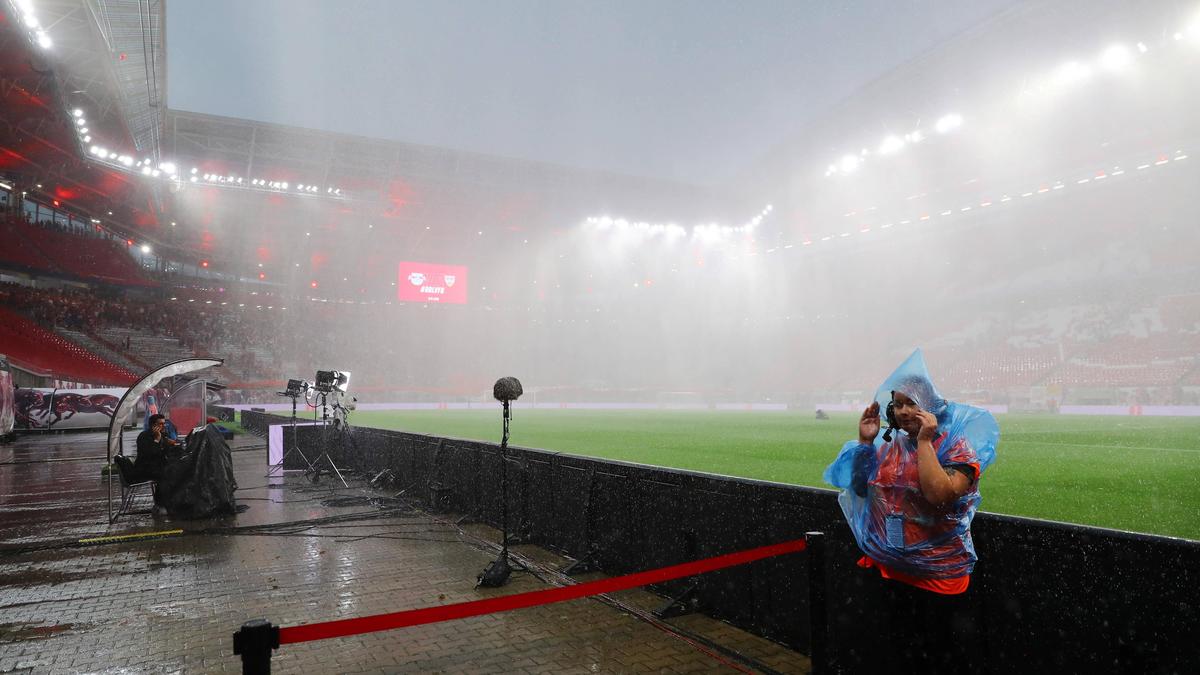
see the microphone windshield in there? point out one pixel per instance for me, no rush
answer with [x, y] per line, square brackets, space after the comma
[507, 389]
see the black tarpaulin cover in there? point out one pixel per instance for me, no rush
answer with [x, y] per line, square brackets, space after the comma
[199, 483]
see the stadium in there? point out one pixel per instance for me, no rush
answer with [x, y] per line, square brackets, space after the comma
[327, 306]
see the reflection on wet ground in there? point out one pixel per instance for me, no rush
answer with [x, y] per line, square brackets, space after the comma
[301, 553]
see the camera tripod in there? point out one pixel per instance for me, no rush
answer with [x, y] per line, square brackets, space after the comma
[314, 468]
[277, 468]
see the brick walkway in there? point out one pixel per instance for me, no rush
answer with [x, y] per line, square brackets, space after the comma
[171, 604]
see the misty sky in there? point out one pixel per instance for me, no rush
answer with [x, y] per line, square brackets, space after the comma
[693, 90]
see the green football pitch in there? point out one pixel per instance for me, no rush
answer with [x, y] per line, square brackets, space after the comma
[1131, 473]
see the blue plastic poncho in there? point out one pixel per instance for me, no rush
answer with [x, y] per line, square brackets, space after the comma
[892, 523]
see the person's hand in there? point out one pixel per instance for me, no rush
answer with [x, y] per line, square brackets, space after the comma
[868, 424]
[929, 425]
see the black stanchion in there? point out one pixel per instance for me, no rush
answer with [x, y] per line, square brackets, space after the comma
[818, 618]
[254, 642]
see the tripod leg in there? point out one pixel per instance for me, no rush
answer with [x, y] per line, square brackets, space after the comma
[271, 473]
[338, 472]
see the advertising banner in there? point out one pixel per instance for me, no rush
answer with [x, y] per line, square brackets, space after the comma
[7, 411]
[65, 408]
[430, 282]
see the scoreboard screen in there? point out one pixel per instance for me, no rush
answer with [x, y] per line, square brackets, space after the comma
[430, 282]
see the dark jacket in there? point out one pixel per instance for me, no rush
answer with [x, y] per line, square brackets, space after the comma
[151, 455]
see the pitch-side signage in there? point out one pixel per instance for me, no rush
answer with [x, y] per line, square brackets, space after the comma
[428, 282]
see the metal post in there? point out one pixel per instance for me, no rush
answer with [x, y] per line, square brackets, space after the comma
[254, 642]
[818, 616]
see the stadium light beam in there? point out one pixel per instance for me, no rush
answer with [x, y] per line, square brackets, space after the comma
[948, 123]
[890, 145]
[1116, 58]
[1072, 72]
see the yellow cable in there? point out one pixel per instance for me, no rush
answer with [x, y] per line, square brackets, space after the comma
[128, 537]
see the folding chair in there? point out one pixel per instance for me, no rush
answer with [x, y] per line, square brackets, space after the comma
[129, 489]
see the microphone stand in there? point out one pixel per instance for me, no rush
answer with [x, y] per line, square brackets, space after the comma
[497, 571]
[504, 483]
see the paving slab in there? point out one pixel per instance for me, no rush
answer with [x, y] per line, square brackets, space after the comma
[300, 553]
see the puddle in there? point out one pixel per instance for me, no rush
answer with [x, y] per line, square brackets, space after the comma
[18, 632]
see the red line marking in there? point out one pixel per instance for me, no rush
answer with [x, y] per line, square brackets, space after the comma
[462, 610]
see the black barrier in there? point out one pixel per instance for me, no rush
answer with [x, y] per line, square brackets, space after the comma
[257, 421]
[1044, 595]
[223, 413]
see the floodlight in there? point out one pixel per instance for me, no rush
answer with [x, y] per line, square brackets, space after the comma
[167, 166]
[849, 163]
[295, 388]
[891, 144]
[145, 248]
[332, 380]
[948, 123]
[1116, 57]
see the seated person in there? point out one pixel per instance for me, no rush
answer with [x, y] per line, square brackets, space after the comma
[152, 447]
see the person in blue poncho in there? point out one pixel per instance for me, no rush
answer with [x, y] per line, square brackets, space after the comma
[909, 496]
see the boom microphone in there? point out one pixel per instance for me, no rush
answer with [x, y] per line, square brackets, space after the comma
[507, 389]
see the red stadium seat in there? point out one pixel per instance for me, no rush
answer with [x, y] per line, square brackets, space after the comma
[29, 344]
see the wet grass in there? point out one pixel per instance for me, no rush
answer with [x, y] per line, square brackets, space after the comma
[1128, 473]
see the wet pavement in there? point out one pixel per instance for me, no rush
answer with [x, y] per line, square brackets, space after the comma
[301, 553]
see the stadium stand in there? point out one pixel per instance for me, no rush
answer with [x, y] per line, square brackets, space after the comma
[25, 342]
[16, 253]
[1001, 366]
[151, 349]
[84, 256]
[109, 352]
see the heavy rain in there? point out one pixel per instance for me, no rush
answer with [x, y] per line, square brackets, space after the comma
[710, 239]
